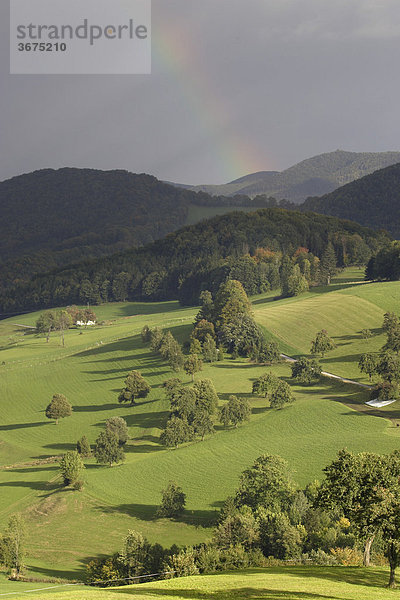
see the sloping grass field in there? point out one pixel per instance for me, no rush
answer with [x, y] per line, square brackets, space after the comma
[66, 528]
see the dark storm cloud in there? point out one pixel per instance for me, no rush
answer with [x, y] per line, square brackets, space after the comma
[286, 79]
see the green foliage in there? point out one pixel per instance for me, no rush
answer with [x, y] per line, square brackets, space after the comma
[182, 564]
[368, 363]
[12, 547]
[195, 347]
[156, 339]
[204, 328]
[267, 353]
[177, 431]
[135, 387]
[192, 365]
[281, 395]
[145, 334]
[210, 352]
[173, 501]
[58, 408]
[71, 467]
[83, 446]
[187, 252]
[231, 303]
[388, 366]
[306, 370]
[266, 483]
[278, 537]
[265, 385]
[119, 426]
[235, 411]
[322, 343]
[107, 449]
[171, 351]
[293, 282]
[206, 396]
[366, 334]
[134, 554]
[241, 527]
[202, 423]
[328, 264]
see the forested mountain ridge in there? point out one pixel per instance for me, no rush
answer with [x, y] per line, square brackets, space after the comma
[314, 176]
[200, 257]
[373, 200]
[50, 218]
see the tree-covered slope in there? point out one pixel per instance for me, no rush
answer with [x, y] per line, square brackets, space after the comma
[51, 218]
[373, 200]
[197, 257]
[311, 177]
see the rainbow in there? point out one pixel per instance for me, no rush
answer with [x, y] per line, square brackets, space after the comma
[175, 53]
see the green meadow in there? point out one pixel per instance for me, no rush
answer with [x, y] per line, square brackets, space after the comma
[67, 528]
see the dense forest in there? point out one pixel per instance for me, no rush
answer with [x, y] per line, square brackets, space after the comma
[373, 200]
[249, 247]
[52, 218]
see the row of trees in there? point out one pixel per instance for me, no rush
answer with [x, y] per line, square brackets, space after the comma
[61, 320]
[357, 504]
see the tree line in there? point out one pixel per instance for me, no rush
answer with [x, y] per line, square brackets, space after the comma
[354, 511]
[253, 248]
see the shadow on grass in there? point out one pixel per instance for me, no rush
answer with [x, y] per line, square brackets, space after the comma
[23, 425]
[243, 593]
[95, 407]
[148, 512]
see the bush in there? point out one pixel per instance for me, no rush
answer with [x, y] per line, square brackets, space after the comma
[348, 557]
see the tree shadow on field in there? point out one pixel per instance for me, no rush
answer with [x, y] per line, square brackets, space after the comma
[354, 575]
[244, 593]
[57, 573]
[95, 407]
[23, 425]
[148, 512]
[61, 446]
[333, 359]
[125, 345]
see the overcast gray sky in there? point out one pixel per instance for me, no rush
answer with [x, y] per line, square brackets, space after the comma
[236, 86]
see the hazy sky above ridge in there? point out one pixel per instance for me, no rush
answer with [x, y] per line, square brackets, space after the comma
[236, 86]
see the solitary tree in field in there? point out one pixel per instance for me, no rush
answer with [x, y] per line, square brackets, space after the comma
[71, 466]
[58, 408]
[135, 387]
[173, 501]
[322, 343]
[107, 449]
[193, 364]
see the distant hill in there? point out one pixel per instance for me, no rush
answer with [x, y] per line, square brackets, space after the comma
[373, 200]
[314, 176]
[50, 218]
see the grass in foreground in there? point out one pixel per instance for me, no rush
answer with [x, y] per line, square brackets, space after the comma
[275, 583]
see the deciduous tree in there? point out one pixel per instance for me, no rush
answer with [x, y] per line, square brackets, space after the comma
[135, 387]
[58, 408]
